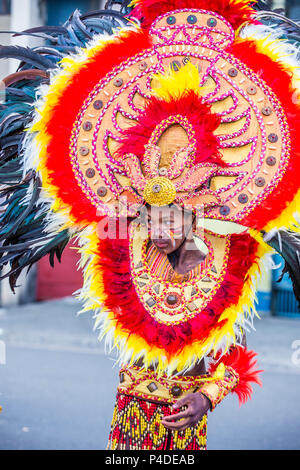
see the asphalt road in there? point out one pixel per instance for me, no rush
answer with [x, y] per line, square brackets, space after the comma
[57, 388]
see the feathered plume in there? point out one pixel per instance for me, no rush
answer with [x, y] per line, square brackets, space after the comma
[275, 19]
[234, 11]
[29, 230]
[244, 363]
[287, 244]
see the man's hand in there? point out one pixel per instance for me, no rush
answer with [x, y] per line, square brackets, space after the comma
[197, 406]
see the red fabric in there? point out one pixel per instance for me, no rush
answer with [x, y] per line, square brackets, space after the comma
[236, 12]
[130, 314]
[64, 114]
[244, 363]
[280, 81]
[204, 123]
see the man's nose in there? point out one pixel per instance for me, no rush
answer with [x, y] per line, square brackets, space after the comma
[159, 232]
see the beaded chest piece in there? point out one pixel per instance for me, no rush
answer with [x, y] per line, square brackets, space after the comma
[174, 302]
[183, 110]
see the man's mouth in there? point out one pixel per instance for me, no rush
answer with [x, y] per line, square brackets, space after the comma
[161, 243]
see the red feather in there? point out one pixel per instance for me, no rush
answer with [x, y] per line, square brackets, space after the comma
[234, 11]
[243, 362]
[190, 106]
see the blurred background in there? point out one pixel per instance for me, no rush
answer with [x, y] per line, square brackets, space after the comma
[57, 387]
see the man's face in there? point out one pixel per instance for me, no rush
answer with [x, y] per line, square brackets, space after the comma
[168, 227]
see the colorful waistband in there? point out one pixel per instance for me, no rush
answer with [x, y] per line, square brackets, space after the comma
[147, 384]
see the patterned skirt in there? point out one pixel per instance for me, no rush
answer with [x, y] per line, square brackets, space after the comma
[136, 425]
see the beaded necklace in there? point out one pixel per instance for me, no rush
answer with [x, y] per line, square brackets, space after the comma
[159, 265]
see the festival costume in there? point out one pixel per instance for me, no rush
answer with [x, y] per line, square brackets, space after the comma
[196, 105]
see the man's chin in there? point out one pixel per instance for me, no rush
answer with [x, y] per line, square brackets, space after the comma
[163, 247]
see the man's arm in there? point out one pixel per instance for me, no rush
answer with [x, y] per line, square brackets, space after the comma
[232, 372]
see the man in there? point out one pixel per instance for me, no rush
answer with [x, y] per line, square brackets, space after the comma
[172, 247]
[171, 233]
[188, 104]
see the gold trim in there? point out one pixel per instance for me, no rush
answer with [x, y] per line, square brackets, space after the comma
[135, 381]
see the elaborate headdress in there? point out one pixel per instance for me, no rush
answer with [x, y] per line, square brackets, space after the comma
[198, 104]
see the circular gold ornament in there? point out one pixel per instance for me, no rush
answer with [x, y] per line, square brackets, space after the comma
[159, 191]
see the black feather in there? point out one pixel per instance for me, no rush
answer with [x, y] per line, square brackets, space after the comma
[276, 19]
[287, 244]
[24, 239]
[45, 29]
[25, 54]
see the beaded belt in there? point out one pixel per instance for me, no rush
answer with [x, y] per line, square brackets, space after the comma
[146, 384]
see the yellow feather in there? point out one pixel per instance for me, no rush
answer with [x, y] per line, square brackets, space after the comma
[176, 83]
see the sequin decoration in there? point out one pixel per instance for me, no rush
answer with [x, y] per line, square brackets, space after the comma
[98, 104]
[211, 22]
[171, 20]
[159, 191]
